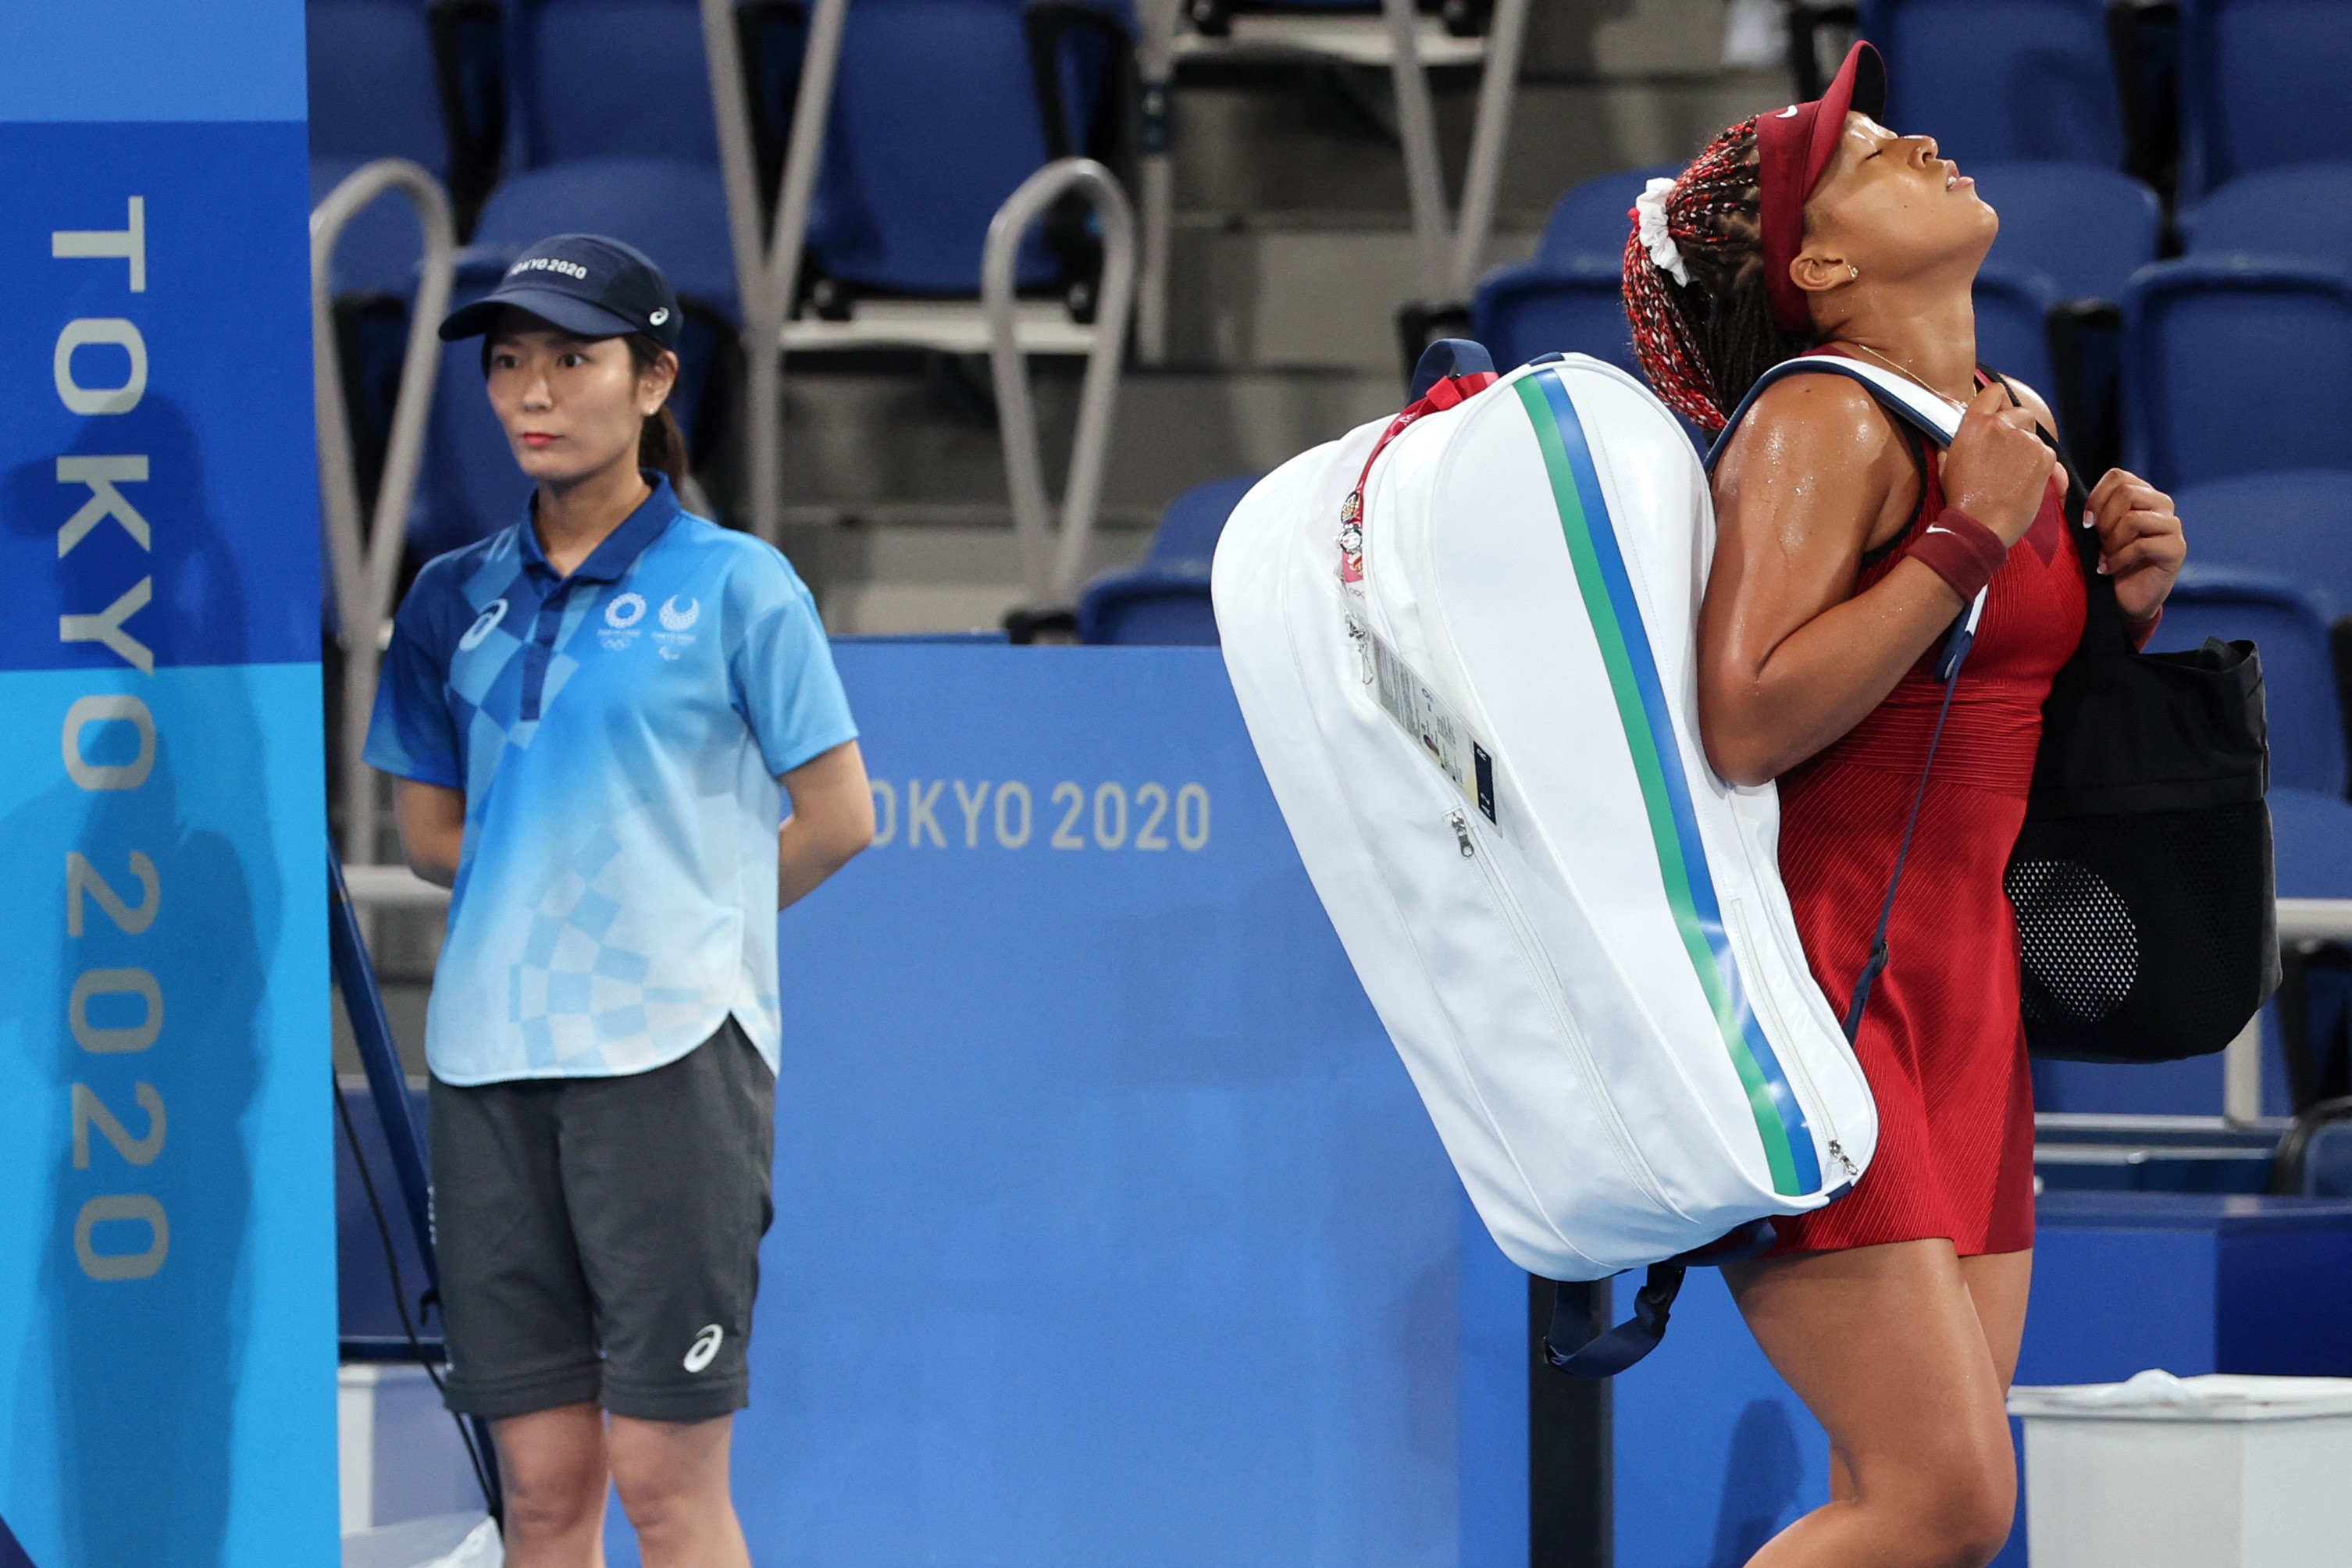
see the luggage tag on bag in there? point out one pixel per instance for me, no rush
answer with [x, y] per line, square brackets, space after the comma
[1430, 720]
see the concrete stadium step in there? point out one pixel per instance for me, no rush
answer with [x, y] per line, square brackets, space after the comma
[1293, 142]
[896, 506]
[858, 444]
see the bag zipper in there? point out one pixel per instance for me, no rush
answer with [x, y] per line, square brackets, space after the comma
[1792, 1060]
[1548, 982]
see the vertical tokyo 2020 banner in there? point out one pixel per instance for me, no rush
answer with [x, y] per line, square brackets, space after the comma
[166, 1231]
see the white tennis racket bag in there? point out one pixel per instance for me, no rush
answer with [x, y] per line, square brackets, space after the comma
[1480, 718]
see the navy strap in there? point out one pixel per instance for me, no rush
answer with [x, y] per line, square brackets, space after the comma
[1572, 1346]
[1576, 1349]
[1871, 967]
[1448, 356]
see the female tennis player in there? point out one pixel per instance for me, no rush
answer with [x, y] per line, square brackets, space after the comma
[1846, 548]
[595, 715]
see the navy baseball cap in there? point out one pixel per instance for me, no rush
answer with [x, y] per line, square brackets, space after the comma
[583, 283]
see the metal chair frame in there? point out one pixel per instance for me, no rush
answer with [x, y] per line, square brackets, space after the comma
[1007, 329]
[364, 562]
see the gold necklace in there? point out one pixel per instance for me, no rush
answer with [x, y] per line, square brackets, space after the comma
[1910, 376]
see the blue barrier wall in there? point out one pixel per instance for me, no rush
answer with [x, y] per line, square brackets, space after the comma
[1109, 1229]
[166, 1277]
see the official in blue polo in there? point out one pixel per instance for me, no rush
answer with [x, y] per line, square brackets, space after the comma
[596, 716]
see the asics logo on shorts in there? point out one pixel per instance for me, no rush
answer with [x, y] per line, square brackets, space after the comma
[705, 1348]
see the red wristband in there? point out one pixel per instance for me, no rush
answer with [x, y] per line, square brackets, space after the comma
[1962, 550]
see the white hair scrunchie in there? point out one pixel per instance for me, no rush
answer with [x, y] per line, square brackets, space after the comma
[1650, 219]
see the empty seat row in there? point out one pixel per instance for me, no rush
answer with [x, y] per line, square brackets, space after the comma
[938, 109]
[2254, 84]
[598, 116]
[2236, 359]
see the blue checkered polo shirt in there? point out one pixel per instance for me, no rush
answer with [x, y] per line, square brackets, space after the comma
[618, 734]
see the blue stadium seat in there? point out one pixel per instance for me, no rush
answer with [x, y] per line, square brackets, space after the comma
[935, 117]
[2013, 326]
[2261, 84]
[2312, 833]
[2288, 621]
[2327, 1162]
[2296, 525]
[1570, 296]
[2236, 367]
[375, 91]
[2085, 229]
[1589, 224]
[675, 212]
[2297, 212]
[379, 246]
[1164, 598]
[608, 78]
[2312, 837]
[1995, 80]
[1520, 312]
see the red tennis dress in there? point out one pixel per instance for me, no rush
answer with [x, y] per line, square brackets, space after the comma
[1943, 1040]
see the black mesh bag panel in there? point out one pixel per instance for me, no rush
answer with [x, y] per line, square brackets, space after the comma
[2135, 956]
[2142, 879]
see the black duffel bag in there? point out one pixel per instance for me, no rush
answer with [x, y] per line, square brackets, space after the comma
[2141, 880]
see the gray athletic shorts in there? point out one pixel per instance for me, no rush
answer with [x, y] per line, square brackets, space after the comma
[599, 1237]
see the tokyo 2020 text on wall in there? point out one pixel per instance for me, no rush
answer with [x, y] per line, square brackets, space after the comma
[166, 1235]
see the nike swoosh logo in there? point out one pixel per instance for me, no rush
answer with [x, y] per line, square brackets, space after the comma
[1939, 528]
[1789, 113]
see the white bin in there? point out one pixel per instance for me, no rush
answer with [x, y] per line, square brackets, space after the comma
[402, 1457]
[2195, 1472]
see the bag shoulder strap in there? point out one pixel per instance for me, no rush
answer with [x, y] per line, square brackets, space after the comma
[1452, 371]
[1899, 396]
[1939, 422]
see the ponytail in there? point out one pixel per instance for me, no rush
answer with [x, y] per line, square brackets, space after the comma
[1703, 343]
[661, 443]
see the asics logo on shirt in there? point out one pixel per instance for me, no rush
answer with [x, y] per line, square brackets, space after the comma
[705, 1349]
[484, 625]
[625, 610]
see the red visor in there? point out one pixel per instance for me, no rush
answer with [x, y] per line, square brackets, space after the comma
[1793, 145]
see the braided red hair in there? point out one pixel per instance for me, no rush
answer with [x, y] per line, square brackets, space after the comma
[1703, 343]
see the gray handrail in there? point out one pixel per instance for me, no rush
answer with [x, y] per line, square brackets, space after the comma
[765, 281]
[1155, 173]
[1417, 129]
[1497, 94]
[1051, 575]
[365, 566]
